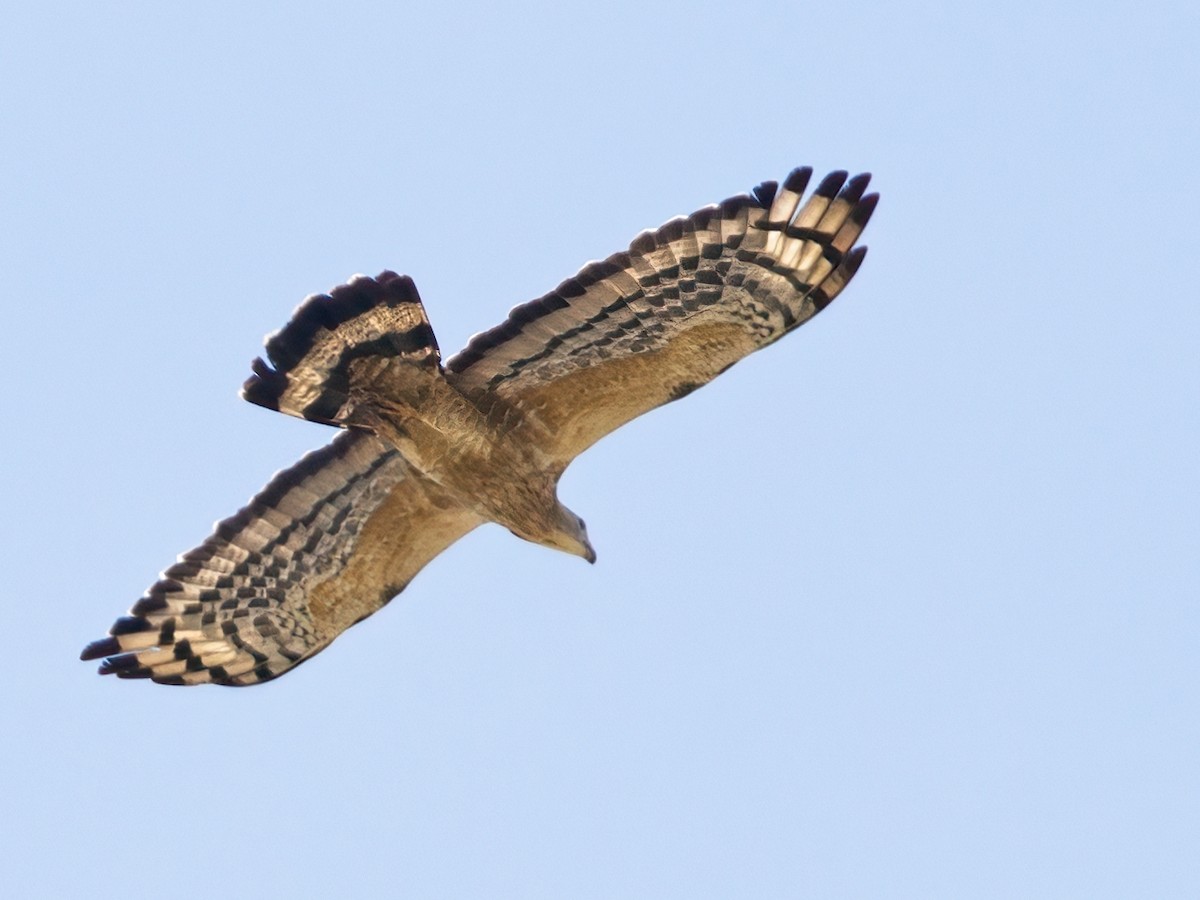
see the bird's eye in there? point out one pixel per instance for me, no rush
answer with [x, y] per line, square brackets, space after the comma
[582, 524]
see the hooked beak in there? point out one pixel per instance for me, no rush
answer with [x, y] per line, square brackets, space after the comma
[590, 555]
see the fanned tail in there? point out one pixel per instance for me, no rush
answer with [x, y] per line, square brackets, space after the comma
[310, 357]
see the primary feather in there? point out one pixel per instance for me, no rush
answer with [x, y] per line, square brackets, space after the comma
[432, 452]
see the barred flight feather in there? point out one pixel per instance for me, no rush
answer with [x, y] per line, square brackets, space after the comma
[698, 294]
[237, 609]
[332, 539]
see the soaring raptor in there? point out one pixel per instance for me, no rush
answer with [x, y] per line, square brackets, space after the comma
[429, 452]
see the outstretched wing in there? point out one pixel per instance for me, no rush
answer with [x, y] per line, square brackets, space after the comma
[325, 544]
[683, 304]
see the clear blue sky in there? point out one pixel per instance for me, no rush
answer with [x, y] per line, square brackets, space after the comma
[904, 606]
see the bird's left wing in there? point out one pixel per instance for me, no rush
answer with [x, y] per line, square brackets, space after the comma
[325, 544]
[684, 303]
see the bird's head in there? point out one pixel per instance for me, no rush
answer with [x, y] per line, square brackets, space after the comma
[580, 545]
[567, 533]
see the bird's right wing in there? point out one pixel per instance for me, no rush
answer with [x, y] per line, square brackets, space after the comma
[326, 543]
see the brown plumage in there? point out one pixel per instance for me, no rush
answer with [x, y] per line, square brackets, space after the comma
[430, 452]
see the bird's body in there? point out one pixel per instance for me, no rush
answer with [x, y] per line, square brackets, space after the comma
[431, 451]
[489, 461]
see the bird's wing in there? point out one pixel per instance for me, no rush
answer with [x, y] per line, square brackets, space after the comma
[325, 544]
[676, 309]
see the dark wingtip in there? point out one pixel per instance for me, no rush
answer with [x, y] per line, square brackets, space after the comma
[731, 206]
[643, 243]
[398, 288]
[798, 179]
[129, 625]
[125, 666]
[841, 277]
[831, 184]
[154, 601]
[265, 386]
[103, 647]
[863, 209]
[855, 187]
[670, 231]
[765, 192]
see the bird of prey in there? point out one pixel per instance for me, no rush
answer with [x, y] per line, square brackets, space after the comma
[429, 451]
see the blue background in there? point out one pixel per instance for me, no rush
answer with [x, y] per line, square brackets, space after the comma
[904, 606]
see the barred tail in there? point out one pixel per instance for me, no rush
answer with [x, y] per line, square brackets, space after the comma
[310, 357]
